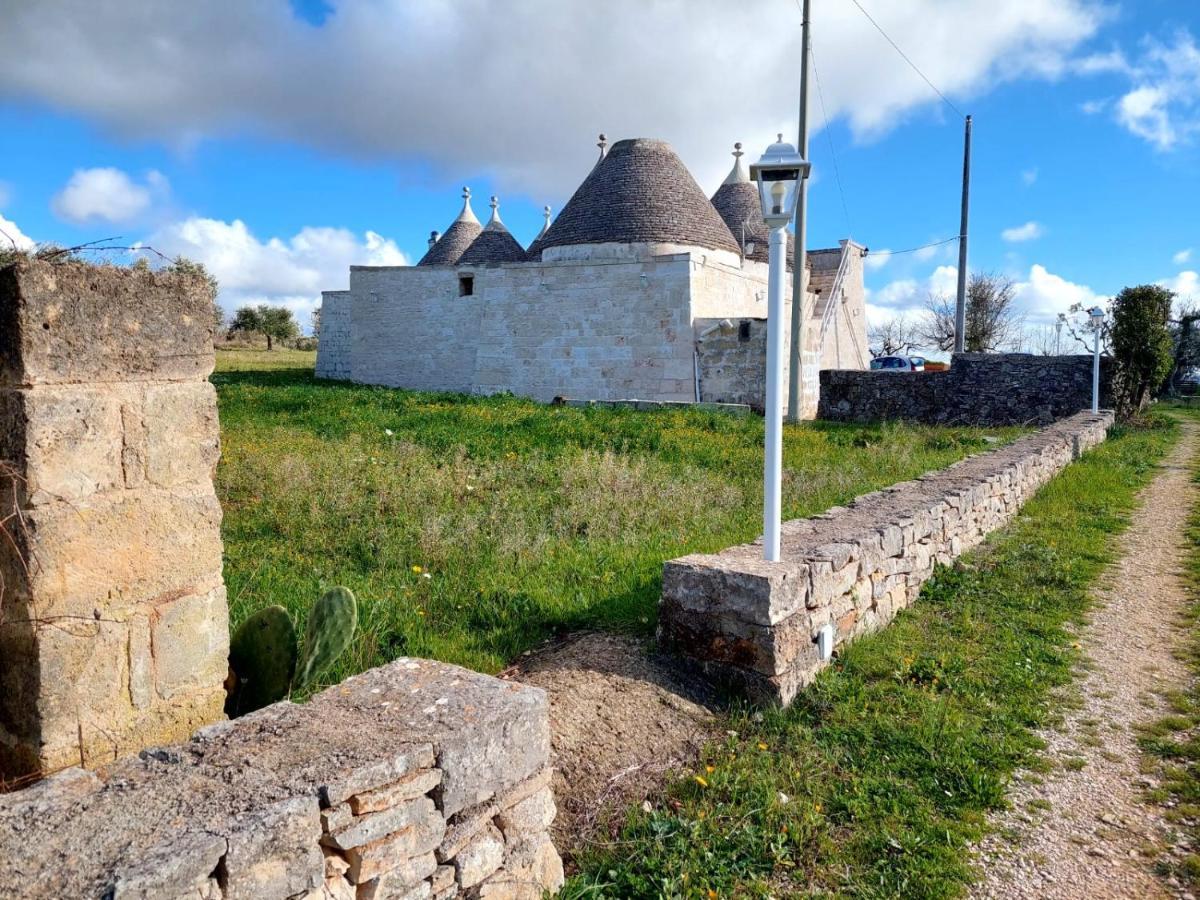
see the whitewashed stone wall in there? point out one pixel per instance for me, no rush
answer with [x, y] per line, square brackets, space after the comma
[732, 364]
[333, 343]
[755, 623]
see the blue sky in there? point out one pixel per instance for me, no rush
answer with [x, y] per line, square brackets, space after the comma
[281, 142]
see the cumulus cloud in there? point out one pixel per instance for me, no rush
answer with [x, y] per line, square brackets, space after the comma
[1186, 286]
[1163, 104]
[11, 237]
[1029, 176]
[108, 195]
[288, 272]
[877, 259]
[1028, 232]
[5, 193]
[1182, 256]
[517, 90]
[1042, 295]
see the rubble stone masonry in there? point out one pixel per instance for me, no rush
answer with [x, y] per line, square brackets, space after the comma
[755, 623]
[113, 618]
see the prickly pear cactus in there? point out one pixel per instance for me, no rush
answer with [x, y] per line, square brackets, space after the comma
[262, 655]
[331, 625]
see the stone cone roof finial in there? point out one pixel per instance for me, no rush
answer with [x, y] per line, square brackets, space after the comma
[467, 214]
[738, 174]
[433, 238]
[603, 145]
[495, 205]
[546, 224]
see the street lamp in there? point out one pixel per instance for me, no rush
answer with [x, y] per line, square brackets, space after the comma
[1096, 319]
[778, 175]
[1058, 326]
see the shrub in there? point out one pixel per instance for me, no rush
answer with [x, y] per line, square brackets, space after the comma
[1141, 345]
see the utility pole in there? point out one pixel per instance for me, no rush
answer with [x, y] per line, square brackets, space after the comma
[799, 275]
[960, 308]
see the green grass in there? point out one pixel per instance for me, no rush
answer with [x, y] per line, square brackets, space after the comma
[876, 782]
[473, 528]
[1172, 743]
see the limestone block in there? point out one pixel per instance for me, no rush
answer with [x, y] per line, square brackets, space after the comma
[274, 852]
[407, 788]
[190, 641]
[480, 858]
[466, 824]
[389, 853]
[399, 881]
[527, 817]
[739, 583]
[73, 322]
[182, 445]
[179, 868]
[370, 827]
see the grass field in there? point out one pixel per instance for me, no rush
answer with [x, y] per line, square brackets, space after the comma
[473, 528]
[875, 783]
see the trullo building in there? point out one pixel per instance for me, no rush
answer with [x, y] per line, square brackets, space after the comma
[641, 288]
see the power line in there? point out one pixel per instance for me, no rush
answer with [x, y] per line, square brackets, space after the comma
[837, 174]
[922, 247]
[912, 64]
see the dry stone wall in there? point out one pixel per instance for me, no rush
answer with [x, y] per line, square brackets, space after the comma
[988, 389]
[113, 621]
[414, 780]
[756, 623]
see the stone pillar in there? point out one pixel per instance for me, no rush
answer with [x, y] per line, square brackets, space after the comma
[113, 618]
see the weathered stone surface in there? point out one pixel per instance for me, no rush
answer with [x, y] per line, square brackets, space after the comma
[74, 322]
[529, 872]
[390, 853]
[415, 785]
[371, 826]
[179, 868]
[400, 880]
[487, 738]
[739, 616]
[463, 826]
[274, 852]
[480, 858]
[527, 817]
[190, 642]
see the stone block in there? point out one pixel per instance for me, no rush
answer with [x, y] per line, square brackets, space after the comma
[410, 874]
[389, 853]
[739, 583]
[372, 826]
[182, 437]
[190, 641]
[74, 322]
[527, 817]
[181, 867]
[528, 873]
[480, 858]
[273, 852]
[407, 788]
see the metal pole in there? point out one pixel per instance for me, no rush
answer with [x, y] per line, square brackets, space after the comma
[799, 275]
[1058, 338]
[773, 408]
[1096, 374]
[960, 308]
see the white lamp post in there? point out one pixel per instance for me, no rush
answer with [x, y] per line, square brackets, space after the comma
[1096, 318]
[1058, 326]
[778, 175]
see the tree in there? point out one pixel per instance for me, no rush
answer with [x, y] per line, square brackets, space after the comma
[184, 266]
[1185, 338]
[275, 323]
[315, 321]
[892, 336]
[992, 322]
[1141, 345]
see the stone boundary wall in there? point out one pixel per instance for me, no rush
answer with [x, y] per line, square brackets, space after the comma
[755, 623]
[988, 389]
[414, 780]
[333, 343]
[113, 619]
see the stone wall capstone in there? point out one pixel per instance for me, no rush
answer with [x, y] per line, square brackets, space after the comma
[756, 623]
[988, 389]
[413, 780]
[113, 619]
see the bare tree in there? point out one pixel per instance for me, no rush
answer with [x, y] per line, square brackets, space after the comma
[992, 322]
[893, 336]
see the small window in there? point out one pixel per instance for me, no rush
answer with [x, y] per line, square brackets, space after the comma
[466, 285]
[743, 332]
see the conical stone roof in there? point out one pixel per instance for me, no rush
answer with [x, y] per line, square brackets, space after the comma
[740, 207]
[641, 192]
[458, 237]
[495, 244]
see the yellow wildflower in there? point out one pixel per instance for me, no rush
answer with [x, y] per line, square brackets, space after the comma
[710, 769]
[700, 780]
[762, 746]
[417, 569]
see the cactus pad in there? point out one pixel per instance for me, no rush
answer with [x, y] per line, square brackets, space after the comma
[331, 625]
[262, 655]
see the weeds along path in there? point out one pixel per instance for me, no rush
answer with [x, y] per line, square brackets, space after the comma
[1079, 827]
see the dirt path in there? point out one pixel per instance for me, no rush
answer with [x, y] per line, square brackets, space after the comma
[1081, 830]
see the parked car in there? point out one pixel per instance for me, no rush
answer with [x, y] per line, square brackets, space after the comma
[898, 363]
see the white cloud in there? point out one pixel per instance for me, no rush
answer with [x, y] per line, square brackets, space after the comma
[1186, 286]
[107, 194]
[5, 194]
[1043, 295]
[1029, 176]
[1092, 107]
[11, 237]
[518, 90]
[1163, 105]
[288, 272]
[1182, 256]
[1028, 232]
[877, 259]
